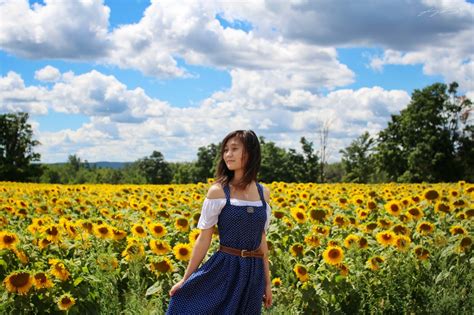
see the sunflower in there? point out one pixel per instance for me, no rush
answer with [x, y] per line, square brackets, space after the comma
[298, 214]
[43, 243]
[182, 251]
[8, 240]
[118, 234]
[415, 213]
[425, 227]
[421, 252]
[41, 281]
[351, 240]
[363, 243]
[375, 262]
[362, 214]
[400, 229]
[18, 282]
[465, 243]
[384, 223]
[402, 242]
[321, 229]
[162, 266]
[369, 227]
[457, 230]
[193, 235]
[65, 302]
[317, 215]
[333, 255]
[297, 249]
[343, 270]
[442, 207]
[133, 251]
[138, 230]
[312, 240]
[59, 270]
[159, 247]
[181, 224]
[301, 272]
[52, 233]
[431, 194]
[386, 238]
[103, 231]
[278, 214]
[340, 220]
[21, 256]
[393, 207]
[276, 282]
[157, 229]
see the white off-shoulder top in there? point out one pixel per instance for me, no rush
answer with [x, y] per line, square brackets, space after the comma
[211, 208]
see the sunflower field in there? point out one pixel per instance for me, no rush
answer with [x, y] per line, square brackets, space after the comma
[334, 248]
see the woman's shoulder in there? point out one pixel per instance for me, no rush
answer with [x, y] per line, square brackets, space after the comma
[215, 192]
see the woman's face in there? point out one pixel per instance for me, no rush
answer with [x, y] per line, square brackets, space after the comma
[234, 154]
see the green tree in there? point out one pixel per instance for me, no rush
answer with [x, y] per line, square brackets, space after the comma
[275, 164]
[205, 164]
[357, 159]
[16, 149]
[156, 169]
[427, 140]
[311, 161]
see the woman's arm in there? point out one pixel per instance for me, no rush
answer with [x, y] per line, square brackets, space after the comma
[201, 246]
[266, 264]
[199, 252]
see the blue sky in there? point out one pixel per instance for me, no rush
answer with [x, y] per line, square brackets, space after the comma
[115, 80]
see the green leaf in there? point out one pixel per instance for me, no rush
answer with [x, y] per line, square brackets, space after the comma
[77, 281]
[154, 289]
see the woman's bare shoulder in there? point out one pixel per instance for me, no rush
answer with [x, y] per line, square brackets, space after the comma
[215, 192]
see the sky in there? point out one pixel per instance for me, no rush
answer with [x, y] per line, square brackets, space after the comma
[115, 80]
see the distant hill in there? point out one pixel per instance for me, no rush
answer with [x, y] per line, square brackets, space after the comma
[101, 164]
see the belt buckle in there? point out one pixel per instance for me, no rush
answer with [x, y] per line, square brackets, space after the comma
[242, 253]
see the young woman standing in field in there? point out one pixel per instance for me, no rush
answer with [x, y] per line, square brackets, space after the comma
[236, 278]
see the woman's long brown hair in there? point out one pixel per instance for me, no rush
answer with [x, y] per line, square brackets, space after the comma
[253, 159]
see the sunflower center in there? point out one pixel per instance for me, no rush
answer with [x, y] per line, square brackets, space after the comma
[300, 215]
[466, 241]
[20, 279]
[158, 229]
[52, 231]
[103, 230]
[66, 300]
[8, 239]
[41, 277]
[302, 271]
[183, 251]
[139, 229]
[431, 194]
[394, 208]
[183, 222]
[162, 266]
[334, 253]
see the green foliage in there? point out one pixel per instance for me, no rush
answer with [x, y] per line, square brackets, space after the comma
[357, 159]
[16, 149]
[206, 162]
[156, 169]
[430, 140]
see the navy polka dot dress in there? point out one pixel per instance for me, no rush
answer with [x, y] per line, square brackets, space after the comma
[228, 284]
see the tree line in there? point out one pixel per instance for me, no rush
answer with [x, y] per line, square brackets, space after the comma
[431, 140]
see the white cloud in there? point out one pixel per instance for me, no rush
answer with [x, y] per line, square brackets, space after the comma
[128, 124]
[48, 74]
[58, 29]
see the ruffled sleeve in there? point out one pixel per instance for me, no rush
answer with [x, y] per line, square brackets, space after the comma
[267, 222]
[211, 208]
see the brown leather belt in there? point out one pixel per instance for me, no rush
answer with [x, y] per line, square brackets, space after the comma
[241, 252]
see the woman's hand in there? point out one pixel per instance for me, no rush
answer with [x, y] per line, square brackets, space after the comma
[176, 287]
[267, 297]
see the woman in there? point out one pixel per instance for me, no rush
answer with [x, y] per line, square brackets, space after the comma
[235, 279]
